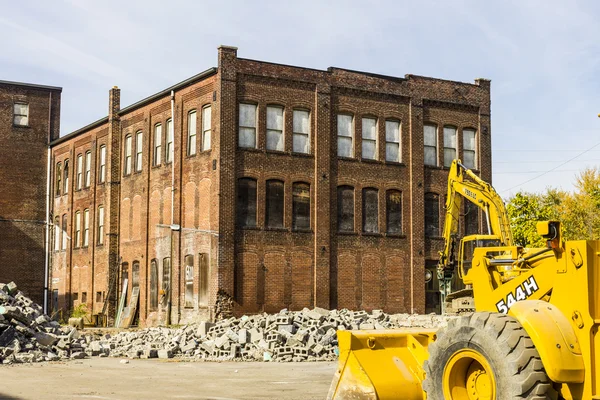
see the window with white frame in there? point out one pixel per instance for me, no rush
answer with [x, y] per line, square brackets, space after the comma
[206, 128]
[102, 167]
[191, 143]
[86, 227]
[393, 149]
[139, 151]
[430, 142]
[100, 224]
[345, 134]
[170, 149]
[76, 243]
[58, 172]
[56, 234]
[79, 179]
[275, 128]
[21, 114]
[301, 134]
[88, 169]
[66, 177]
[469, 148]
[369, 138]
[247, 124]
[157, 144]
[64, 232]
[449, 145]
[127, 162]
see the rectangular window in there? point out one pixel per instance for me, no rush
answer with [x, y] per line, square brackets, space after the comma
[345, 134]
[206, 128]
[86, 227]
[139, 151]
[64, 232]
[21, 114]
[127, 162]
[432, 215]
[430, 142]
[88, 168]
[449, 145]
[98, 297]
[300, 206]
[469, 148]
[191, 147]
[58, 172]
[392, 141]
[56, 234]
[275, 128]
[102, 171]
[370, 210]
[79, 181]
[157, 144]
[170, 149]
[393, 205]
[274, 212]
[246, 202]
[247, 123]
[153, 285]
[189, 281]
[66, 177]
[369, 138]
[77, 229]
[83, 297]
[301, 134]
[345, 205]
[100, 225]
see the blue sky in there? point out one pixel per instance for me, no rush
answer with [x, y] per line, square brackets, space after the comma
[543, 58]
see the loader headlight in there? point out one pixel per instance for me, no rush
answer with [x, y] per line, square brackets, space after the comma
[428, 276]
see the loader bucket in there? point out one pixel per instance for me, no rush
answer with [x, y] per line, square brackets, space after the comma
[381, 364]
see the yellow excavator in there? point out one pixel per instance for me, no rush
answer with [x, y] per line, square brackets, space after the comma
[533, 333]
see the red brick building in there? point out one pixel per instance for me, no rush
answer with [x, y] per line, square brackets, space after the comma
[29, 121]
[256, 186]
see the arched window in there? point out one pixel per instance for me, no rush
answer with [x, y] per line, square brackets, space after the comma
[274, 215]
[345, 135]
[469, 148]
[102, 167]
[345, 211]
[88, 169]
[246, 202]
[393, 205]
[77, 241]
[206, 128]
[369, 138]
[139, 150]
[430, 144]
[56, 234]
[393, 148]
[170, 150]
[64, 232]
[127, 161]
[189, 281]
[79, 180]
[449, 145]
[66, 177]
[370, 211]
[301, 134]
[432, 214]
[191, 142]
[157, 144]
[247, 126]
[86, 227]
[275, 128]
[100, 225]
[300, 206]
[153, 285]
[58, 172]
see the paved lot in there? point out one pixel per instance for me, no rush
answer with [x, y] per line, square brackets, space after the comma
[107, 378]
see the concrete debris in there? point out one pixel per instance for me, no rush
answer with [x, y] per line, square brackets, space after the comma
[27, 335]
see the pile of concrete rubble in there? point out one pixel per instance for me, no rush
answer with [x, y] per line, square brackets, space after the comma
[27, 335]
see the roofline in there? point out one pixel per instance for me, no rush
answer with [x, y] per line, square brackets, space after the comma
[371, 74]
[136, 105]
[31, 85]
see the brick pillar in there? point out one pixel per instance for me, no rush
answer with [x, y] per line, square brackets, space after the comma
[114, 191]
[416, 284]
[484, 149]
[325, 281]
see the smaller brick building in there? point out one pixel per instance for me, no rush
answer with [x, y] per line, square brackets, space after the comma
[256, 186]
[29, 121]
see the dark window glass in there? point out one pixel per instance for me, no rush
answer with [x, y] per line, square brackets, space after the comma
[274, 204]
[58, 173]
[393, 205]
[471, 218]
[153, 285]
[432, 214]
[345, 200]
[301, 206]
[189, 281]
[246, 202]
[370, 210]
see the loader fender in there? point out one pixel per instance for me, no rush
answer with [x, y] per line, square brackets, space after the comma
[554, 339]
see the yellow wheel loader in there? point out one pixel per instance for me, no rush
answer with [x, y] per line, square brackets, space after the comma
[533, 333]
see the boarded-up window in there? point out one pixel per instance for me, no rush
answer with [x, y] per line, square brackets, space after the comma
[102, 168]
[432, 214]
[100, 224]
[189, 281]
[86, 227]
[64, 232]
[166, 278]
[392, 141]
[79, 180]
[58, 172]
[345, 133]
[274, 213]
[77, 229]
[191, 148]
[275, 128]
[369, 138]
[300, 206]
[66, 177]
[135, 274]
[170, 150]
[203, 280]
[247, 123]
[469, 148]
[449, 145]
[301, 137]
[157, 144]
[153, 284]
[139, 150]
[124, 276]
[127, 162]
[393, 205]
[345, 204]
[370, 210]
[430, 141]
[471, 218]
[88, 168]
[206, 128]
[246, 202]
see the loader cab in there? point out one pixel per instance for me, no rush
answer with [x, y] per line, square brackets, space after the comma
[467, 248]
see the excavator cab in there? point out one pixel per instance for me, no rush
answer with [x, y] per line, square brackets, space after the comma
[467, 248]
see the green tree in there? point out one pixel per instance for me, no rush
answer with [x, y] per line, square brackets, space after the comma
[526, 209]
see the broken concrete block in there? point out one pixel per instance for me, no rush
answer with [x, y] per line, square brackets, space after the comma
[165, 354]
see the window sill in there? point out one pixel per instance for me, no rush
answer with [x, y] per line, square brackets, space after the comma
[21, 126]
[208, 151]
[276, 152]
[250, 149]
[343, 233]
[307, 155]
[396, 235]
[372, 234]
[99, 244]
[156, 166]
[248, 228]
[396, 163]
[282, 229]
[302, 230]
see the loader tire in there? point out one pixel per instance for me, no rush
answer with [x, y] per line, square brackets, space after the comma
[485, 356]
